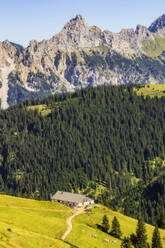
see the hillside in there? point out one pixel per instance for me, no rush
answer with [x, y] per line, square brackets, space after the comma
[81, 56]
[151, 90]
[106, 141]
[27, 223]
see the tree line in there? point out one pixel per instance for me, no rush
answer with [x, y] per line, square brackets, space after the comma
[138, 240]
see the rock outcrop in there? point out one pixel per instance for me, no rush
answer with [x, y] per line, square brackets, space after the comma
[81, 56]
[158, 25]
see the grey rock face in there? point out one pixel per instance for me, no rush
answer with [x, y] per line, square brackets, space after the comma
[77, 57]
[143, 33]
[157, 25]
[77, 33]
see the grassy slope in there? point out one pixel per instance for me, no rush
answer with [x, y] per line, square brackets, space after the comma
[29, 223]
[43, 109]
[154, 48]
[85, 226]
[151, 90]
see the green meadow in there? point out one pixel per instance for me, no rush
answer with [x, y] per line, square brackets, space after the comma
[151, 90]
[42, 108]
[45, 110]
[29, 223]
[26, 223]
[85, 228]
[154, 48]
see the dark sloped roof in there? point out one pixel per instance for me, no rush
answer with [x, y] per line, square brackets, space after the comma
[70, 197]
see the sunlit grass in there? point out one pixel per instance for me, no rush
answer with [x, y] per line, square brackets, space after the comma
[30, 223]
[43, 109]
[85, 227]
[151, 90]
[26, 223]
[154, 48]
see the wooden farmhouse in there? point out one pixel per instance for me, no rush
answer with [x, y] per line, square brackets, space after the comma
[71, 199]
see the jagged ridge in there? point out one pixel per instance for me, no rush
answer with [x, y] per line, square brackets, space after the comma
[158, 24]
[80, 56]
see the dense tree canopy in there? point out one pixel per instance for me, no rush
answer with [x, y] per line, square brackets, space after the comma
[106, 134]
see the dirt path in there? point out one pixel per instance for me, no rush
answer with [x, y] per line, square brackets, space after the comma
[69, 221]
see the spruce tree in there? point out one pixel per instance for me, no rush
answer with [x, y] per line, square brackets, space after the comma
[105, 223]
[161, 220]
[156, 241]
[115, 231]
[126, 243]
[141, 236]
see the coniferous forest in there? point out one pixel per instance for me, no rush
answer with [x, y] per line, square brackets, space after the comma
[106, 135]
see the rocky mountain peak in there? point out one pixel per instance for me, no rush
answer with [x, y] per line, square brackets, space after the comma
[76, 23]
[141, 29]
[33, 42]
[143, 33]
[76, 34]
[6, 43]
[78, 18]
[158, 24]
[7, 51]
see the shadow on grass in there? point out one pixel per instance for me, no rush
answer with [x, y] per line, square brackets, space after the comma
[73, 246]
[66, 242]
[100, 227]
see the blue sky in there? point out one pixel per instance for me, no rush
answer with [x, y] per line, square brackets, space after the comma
[24, 20]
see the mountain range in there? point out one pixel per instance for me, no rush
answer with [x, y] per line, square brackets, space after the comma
[81, 56]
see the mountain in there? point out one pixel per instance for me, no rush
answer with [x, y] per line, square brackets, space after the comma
[81, 56]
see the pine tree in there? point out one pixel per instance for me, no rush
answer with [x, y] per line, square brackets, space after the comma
[115, 231]
[161, 220]
[141, 236]
[156, 241]
[105, 223]
[126, 243]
